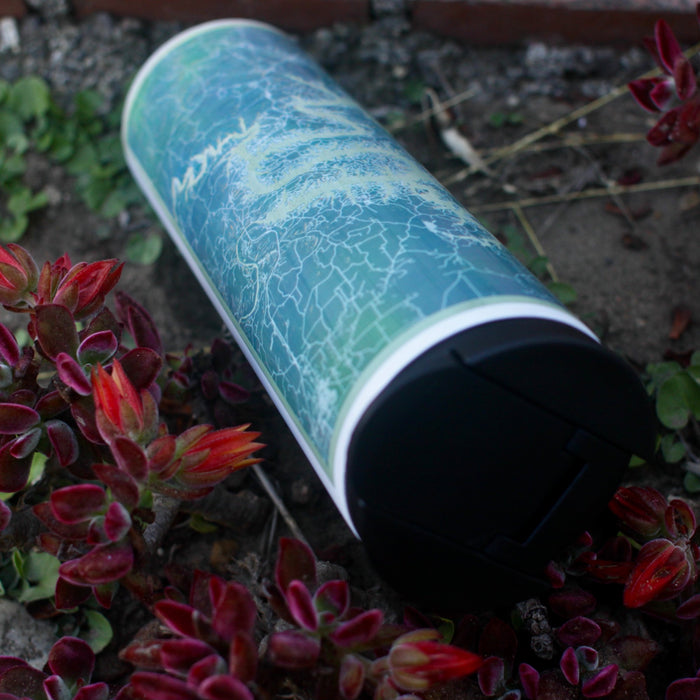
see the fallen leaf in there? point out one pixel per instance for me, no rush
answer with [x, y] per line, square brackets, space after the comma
[690, 200]
[553, 171]
[682, 358]
[630, 177]
[634, 214]
[632, 241]
[681, 319]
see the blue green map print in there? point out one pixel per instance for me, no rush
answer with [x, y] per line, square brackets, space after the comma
[324, 240]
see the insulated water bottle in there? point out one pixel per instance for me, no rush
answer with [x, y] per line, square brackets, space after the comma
[465, 423]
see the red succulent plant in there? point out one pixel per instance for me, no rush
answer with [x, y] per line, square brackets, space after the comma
[97, 417]
[663, 533]
[674, 94]
[209, 653]
[66, 676]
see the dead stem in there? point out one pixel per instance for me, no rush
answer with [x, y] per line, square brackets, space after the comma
[279, 504]
[574, 186]
[576, 140]
[534, 240]
[612, 190]
[432, 111]
[617, 199]
[558, 124]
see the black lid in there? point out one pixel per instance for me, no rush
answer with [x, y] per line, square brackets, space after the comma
[490, 453]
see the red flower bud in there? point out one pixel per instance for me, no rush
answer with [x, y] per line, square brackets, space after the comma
[83, 288]
[120, 409]
[662, 570]
[641, 508]
[208, 456]
[18, 276]
[351, 677]
[418, 661]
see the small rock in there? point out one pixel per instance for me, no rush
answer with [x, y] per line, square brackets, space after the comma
[50, 9]
[9, 35]
[382, 8]
[301, 492]
[23, 636]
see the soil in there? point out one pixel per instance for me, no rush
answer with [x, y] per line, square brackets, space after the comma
[631, 258]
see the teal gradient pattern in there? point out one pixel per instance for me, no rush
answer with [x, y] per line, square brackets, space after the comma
[324, 240]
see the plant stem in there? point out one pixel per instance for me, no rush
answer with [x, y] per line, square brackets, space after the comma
[558, 124]
[165, 509]
[611, 190]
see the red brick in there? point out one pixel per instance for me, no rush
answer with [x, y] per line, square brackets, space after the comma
[494, 22]
[12, 8]
[298, 15]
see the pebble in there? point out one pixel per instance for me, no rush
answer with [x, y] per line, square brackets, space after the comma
[9, 35]
[23, 636]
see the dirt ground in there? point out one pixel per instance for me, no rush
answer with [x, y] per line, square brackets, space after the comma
[632, 258]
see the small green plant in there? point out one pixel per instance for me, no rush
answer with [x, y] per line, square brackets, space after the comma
[84, 140]
[675, 390]
[500, 120]
[537, 264]
[24, 105]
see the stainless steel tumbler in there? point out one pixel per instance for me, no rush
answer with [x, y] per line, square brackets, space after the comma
[466, 424]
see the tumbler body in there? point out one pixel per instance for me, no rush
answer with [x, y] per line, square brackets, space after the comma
[344, 269]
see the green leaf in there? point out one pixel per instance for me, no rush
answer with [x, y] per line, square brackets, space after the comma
[12, 168]
[515, 242]
[691, 482]
[673, 450]
[115, 202]
[10, 125]
[446, 627]
[99, 633]
[84, 160]
[694, 372]
[110, 150]
[200, 524]
[12, 229]
[94, 192]
[29, 97]
[40, 569]
[18, 562]
[497, 119]
[414, 90]
[659, 372]
[61, 148]
[4, 90]
[87, 104]
[24, 200]
[538, 266]
[19, 143]
[564, 292]
[636, 461]
[144, 249]
[677, 398]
